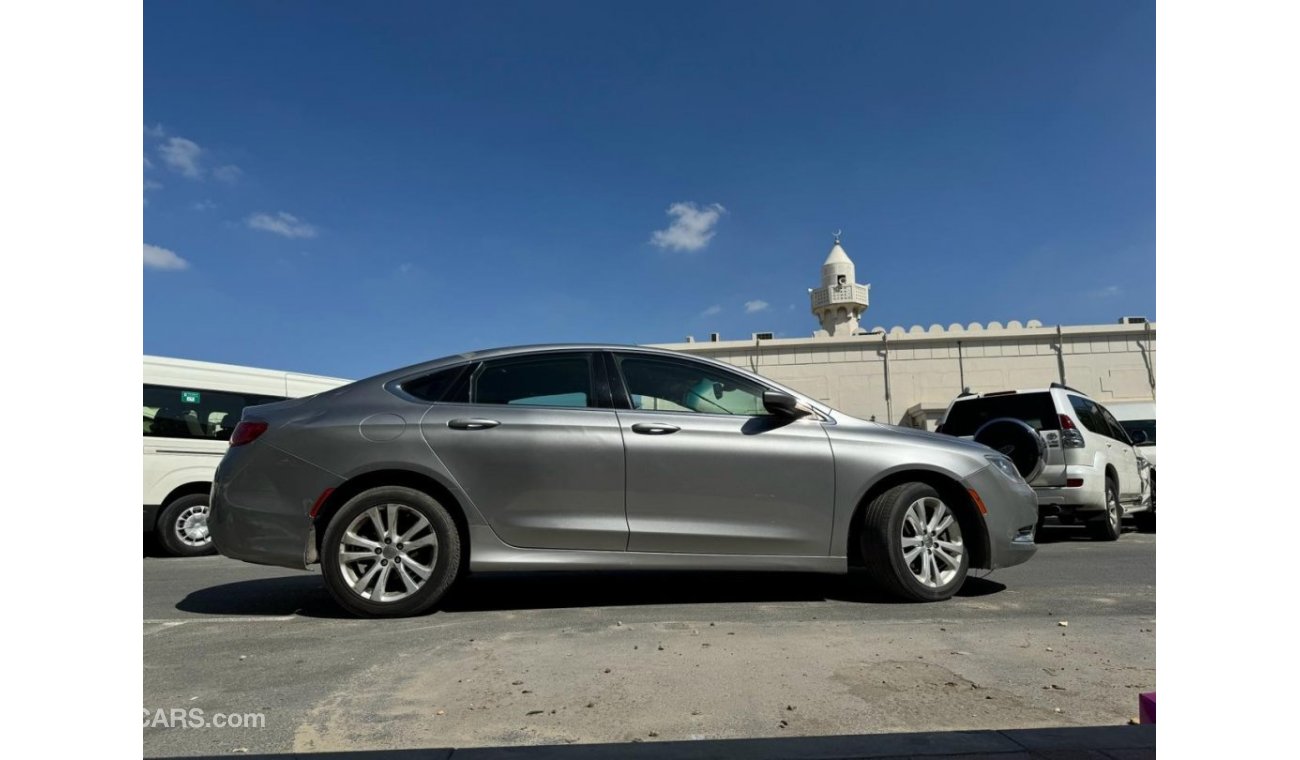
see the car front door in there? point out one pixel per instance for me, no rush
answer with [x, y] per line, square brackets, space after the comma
[710, 471]
[534, 443]
[1124, 456]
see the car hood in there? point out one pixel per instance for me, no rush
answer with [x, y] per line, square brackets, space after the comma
[850, 428]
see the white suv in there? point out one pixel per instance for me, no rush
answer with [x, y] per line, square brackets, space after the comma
[1086, 467]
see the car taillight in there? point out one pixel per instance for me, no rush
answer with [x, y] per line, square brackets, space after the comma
[1071, 436]
[246, 432]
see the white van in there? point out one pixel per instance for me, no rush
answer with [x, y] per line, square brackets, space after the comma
[190, 409]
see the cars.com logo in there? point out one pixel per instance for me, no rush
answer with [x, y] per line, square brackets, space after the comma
[195, 717]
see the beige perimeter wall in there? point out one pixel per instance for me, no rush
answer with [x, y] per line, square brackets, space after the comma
[1108, 362]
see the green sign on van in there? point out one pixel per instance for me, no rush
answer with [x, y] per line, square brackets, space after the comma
[189, 397]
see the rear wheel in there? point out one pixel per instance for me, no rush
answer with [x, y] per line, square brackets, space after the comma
[1107, 526]
[183, 526]
[390, 552]
[912, 544]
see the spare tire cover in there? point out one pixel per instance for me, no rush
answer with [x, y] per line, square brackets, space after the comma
[1018, 441]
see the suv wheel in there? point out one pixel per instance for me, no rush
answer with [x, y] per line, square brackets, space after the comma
[912, 544]
[1107, 526]
[390, 552]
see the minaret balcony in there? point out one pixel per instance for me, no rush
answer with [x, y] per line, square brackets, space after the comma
[839, 294]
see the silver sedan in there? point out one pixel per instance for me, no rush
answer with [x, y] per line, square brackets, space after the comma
[591, 457]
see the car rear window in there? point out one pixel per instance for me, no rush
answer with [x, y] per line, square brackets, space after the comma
[1034, 409]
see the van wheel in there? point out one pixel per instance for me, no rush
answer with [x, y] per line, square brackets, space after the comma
[183, 527]
[1107, 526]
[390, 552]
[912, 544]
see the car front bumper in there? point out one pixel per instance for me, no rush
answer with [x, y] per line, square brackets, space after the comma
[1012, 510]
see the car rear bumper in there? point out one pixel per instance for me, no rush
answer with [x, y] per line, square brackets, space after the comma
[1088, 497]
[261, 504]
[1012, 510]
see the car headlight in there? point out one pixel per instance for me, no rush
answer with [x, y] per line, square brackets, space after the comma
[1006, 467]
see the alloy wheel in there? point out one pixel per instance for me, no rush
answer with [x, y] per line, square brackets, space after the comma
[191, 526]
[388, 552]
[931, 541]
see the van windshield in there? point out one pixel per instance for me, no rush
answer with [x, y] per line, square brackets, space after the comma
[1034, 409]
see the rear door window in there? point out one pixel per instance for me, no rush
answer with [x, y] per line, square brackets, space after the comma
[561, 380]
[1034, 409]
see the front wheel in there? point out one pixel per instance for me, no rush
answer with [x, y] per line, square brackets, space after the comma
[912, 544]
[1107, 526]
[390, 552]
[183, 527]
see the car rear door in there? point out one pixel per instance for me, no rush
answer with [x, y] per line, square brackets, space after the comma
[710, 471]
[534, 442]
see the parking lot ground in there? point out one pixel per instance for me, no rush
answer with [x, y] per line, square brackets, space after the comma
[565, 658]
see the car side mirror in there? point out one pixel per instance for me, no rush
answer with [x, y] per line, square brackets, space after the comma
[1138, 437]
[782, 404]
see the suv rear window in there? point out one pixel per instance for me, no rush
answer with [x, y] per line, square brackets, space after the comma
[1034, 409]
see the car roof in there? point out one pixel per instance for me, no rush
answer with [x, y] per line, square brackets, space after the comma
[494, 353]
[988, 394]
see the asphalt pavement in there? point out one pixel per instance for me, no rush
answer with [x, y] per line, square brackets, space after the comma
[1067, 639]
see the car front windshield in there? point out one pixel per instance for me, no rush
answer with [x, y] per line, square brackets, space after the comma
[1147, 426]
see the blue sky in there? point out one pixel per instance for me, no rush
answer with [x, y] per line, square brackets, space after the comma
[342, 188]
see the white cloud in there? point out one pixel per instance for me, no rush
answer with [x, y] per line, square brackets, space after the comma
[692, 227]
[155, 131]
[182, 156]
[204, 205]
[711, 311]
[282, 223]
[229, 174]
[1110, 291]
[161, 258]
[752, 307]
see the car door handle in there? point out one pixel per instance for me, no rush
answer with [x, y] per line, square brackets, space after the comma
[654, 428]
[475, 423]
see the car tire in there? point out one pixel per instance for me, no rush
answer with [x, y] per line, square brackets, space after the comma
[374, 568]
[182, 527]
[909, 538]
[1146, 521]
[1107, 526]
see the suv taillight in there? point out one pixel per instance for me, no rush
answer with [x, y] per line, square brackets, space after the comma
[1071, 436]
[246, 432]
